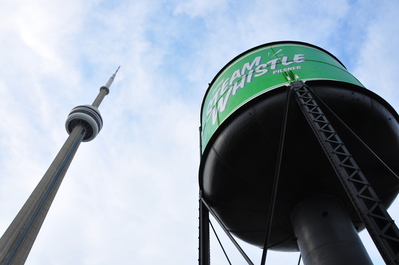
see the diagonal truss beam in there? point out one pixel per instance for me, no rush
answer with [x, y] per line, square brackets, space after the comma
[369, 207]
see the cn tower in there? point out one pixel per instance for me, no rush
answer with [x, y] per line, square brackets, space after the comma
[83, 124]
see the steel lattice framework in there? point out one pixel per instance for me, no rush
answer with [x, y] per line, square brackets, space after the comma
[372, 212]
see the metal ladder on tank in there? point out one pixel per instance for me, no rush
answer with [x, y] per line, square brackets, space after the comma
[372, 212]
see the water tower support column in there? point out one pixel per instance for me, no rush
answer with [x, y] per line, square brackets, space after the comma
[326, 235]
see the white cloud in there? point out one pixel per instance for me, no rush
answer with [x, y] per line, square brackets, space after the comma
[196, 8]
[376, 63]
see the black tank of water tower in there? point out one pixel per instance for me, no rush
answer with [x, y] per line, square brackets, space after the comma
[241, 120]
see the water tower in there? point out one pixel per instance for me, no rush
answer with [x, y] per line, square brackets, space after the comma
[297, 155]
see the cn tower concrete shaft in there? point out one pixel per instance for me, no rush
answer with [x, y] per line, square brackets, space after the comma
[83, 124]
[18, 239]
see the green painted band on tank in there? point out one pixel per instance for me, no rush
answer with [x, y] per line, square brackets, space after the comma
[261, 70]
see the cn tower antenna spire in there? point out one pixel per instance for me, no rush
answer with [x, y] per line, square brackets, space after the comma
[104, 90]
[111, 79]
[83, 124]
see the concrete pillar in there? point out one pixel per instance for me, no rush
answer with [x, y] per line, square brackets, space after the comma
[18, 239]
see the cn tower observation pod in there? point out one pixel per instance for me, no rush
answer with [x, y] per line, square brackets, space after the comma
[242, 116]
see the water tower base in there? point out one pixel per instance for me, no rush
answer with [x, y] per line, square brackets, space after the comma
[326, 234]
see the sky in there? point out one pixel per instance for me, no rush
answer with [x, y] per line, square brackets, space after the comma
[131, 195]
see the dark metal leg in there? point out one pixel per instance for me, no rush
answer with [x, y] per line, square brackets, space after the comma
[204, 250]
